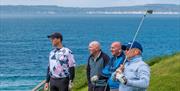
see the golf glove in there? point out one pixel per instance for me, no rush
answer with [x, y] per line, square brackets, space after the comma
[120, 77]
[94, 78]
[70, 85]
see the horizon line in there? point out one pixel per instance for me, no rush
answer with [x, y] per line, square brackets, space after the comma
[87, 7]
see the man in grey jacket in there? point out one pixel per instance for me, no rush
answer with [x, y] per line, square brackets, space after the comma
[96, 62]
[135, 74]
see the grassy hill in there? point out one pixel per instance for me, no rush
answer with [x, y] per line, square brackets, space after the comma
[165, 74]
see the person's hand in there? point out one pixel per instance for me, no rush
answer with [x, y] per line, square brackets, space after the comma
[94, 78]
[120, 69]
[120, 77]
[70, 85]
[46, 86]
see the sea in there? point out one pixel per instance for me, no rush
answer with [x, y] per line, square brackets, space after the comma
[24, 46]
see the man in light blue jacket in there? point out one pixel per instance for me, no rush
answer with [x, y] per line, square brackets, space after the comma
[135, 74]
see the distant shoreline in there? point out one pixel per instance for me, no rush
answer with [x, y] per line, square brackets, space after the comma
[85, 15]
[133, 12]
[44, 10]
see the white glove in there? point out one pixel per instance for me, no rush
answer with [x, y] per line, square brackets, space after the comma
[70, 85]
[120, 77]
[94, 78]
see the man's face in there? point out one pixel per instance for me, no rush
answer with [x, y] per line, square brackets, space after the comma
[92, 49]
[55, 41]
[115, 50]
[131, 52]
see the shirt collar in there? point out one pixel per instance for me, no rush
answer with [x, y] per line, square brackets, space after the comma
[136, 58]
[95, 58]
[57, 49]
[116, 57]
[120, 55]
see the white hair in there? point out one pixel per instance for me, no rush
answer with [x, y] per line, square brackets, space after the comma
[95, 43]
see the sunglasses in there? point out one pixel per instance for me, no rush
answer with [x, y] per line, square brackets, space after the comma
[127, 49]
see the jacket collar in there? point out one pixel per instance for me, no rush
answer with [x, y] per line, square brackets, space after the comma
[98, 57]
[122, 54]
[135, 59]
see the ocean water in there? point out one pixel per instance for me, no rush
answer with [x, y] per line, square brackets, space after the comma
[24, 46]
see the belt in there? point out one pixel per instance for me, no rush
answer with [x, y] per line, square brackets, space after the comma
[59, 78]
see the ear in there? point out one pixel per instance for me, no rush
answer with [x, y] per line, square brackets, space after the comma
[137, 52]
[97, 49]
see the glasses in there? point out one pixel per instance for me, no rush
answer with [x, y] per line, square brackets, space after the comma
[127, 49]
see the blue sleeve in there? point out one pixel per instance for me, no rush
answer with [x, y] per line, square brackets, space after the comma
[106, 72]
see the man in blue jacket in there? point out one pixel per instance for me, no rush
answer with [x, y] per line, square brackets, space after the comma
[135, 74]
[114, 63]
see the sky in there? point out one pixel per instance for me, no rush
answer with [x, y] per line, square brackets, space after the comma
[87, 3]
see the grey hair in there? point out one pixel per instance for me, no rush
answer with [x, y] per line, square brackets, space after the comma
[95, 43]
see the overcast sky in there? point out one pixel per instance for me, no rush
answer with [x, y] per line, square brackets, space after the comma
[87, 3]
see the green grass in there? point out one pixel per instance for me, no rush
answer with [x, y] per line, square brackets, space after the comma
[165, 74]
[80, 80]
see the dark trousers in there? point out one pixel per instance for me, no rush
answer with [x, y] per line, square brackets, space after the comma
[60, 84]
[98, 88]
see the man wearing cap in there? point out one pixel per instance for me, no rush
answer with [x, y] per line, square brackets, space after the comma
[96, 62]
[61, 68]
[135, 74]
